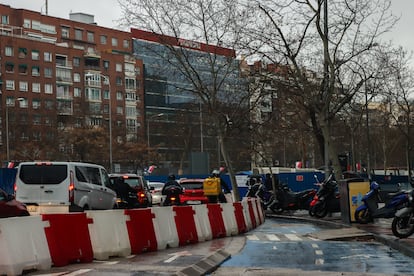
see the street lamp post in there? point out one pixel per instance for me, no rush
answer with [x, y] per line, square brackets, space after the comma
[148, 129]
[7, 129]
[106, 78]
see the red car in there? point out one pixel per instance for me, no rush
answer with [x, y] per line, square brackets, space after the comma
[193, 191]
[10, 207]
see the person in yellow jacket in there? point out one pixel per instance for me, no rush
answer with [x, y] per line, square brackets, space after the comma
[219, 196]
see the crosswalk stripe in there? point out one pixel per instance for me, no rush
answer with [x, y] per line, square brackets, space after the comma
[293, 237]
[272, 237]
[253, 237]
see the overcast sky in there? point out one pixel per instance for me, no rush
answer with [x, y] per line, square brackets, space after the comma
[106, 13]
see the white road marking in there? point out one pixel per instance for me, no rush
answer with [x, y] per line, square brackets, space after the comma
[176, 255]
[78, 272]
[319, 252]
[314, 245]
[293, 237]
[319, 261]
[252, 237]
[272, 237]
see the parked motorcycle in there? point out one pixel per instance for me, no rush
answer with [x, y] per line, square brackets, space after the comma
[287, 200]
[403, 223]
[369, 210]
[326, 200]
[258, 190]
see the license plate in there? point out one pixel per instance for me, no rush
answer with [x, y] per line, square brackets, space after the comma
[194, 202]
[32, 208]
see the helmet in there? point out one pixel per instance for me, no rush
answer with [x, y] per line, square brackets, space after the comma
[171, 177]
[215, 173]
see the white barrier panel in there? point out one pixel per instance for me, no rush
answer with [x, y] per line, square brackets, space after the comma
[23, 245]
[202, 223]
[229, 219]
[164, 227]
[246, 213]
[109, 235]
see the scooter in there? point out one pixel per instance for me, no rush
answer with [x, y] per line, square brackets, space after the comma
[370, 210]
[287, 200]
[172, 196]
[259, 190]
[326, 200]
[403, 223]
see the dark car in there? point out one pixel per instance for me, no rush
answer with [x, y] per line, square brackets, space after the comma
[10, 207]
[132, 190]
[193, 191]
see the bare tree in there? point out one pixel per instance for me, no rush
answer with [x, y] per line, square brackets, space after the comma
[398, 89]
[332, 37]
[212, 22]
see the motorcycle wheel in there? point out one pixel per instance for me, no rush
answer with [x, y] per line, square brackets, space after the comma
[320, 210]
[403, 227]
[363, 216]
[311, 212]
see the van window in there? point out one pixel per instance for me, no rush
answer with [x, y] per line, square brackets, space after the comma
[106, 181]
[88, 174]
[43, 174]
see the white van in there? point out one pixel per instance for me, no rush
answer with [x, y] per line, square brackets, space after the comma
[80, 186]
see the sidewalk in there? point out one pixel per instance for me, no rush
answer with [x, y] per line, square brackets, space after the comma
[380, 230]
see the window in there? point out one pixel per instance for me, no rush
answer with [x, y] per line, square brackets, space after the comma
[27, 23]
[48, 72]
[118, 67]
[93, 94]
[5, 19]
[22, 52]
[9, 67]
[90, 36]
[23, 69]
[9, 84]
[118, 81]
[8, 51]
[35, 55]
[106, 95]
[126, 43]
[48, 56]
[76, 61]
[104, 39]
[119, 110]
[23, 103]
[65, 32]
[36, 103]
[130, 111]
[48, 88]
[130, 84]
[115, 42]
[119, 96]
[106, 64]
[76, 77]
[78, 34]
[35, 71]
[77, 92]
[23, 86]
[49, 104]
[36, 87]
[36, 134]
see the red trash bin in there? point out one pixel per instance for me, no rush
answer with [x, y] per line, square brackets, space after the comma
[68, 238]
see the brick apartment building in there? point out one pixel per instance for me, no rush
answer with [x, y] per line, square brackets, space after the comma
[59, 76]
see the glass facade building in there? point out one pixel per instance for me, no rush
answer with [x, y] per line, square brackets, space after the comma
[177, 122]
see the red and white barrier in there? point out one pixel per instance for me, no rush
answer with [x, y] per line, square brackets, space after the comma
[36, 242]
[23, 245]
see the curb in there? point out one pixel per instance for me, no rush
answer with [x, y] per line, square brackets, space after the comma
[205, 265]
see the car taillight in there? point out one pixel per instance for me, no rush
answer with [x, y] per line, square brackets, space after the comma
[14, 188]
[71, 189]
[141, 195]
